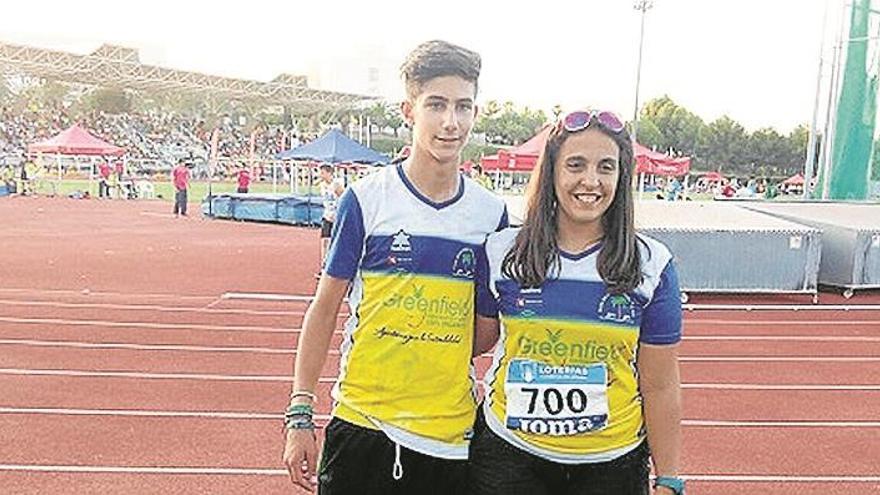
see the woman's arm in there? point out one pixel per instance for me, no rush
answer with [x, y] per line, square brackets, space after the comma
[486, 332]
[660, 386]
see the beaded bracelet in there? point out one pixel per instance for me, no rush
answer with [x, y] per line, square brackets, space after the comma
[300, 410]
[304, 393]
[299, 423]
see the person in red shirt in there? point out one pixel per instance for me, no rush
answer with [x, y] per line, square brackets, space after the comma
[728, 191]
[104, 181]
[244, 180]
[180, 174]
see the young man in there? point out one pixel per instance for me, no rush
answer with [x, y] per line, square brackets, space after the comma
[404, 249]
[180, 175]
[331, 189]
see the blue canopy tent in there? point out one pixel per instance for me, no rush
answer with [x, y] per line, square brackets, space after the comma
[334, 147]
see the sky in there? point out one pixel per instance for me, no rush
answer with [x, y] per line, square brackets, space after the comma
[753, 60]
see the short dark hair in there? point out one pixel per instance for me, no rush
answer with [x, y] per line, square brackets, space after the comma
[437, 58]
[326, 166]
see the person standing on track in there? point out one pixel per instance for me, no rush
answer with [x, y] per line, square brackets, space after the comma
[585, 376]
[104, 172]
[180, 176]
[331, 190]
[404, 250]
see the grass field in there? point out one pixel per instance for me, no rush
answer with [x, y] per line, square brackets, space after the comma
[198, 190]
[165, 190]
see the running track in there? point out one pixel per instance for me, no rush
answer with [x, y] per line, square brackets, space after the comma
[124, 369]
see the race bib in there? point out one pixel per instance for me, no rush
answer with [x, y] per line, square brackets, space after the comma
[556, 400]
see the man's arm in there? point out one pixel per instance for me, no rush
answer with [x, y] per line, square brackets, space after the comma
[301, 450]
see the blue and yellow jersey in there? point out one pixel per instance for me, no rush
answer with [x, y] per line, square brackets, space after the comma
[563, 383]
[406, 353]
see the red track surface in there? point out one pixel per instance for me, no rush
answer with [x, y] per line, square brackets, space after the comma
[124, 370]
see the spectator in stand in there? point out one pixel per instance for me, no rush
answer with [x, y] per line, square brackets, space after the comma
[673, 189]
[729, 190]
[244, 180]
[32, 174]
[481, 178]
[181, 184]
[771, 190]
[23, 177]
[7, 177]
[119, 169]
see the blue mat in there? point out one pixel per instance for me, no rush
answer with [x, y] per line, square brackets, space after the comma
[279, 208]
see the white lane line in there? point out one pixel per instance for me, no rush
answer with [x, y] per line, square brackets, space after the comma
[335, 352]
[332, 379]
[149, 307]
[154, 376]
[210, 309]
[246, 415]
[769, 478]
[154, 326]
[238, 328]
[780, 424]
[308, 298]
[764, 323]
[88, 292]
[148, 347]
[44, 468]
[770, 386]
[781, 307]
[64, 411]
[779, 359]
[207, 470]
[265, 296]
[160, 215]
[784, 338]
[75, 344]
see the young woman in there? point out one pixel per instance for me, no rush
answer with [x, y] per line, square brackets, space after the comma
[585, 374]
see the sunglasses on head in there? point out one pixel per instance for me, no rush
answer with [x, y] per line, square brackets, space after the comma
[581, 119]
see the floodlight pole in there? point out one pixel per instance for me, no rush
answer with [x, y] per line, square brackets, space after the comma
[810, 164]
[642, 6]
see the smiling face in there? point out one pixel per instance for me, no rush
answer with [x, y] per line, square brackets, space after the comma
[586, 173]
[442, 115]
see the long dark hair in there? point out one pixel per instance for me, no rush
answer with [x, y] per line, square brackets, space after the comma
[535, 253]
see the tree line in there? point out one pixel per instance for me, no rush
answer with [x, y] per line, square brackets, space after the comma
[723, 144]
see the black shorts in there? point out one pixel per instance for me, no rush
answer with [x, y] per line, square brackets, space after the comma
[242, 190]
[360, 461]
[326, 228]
[499, 468]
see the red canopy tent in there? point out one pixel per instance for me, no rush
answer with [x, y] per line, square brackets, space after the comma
[713, 177]
[524, 157]
[794, 180]
[76, 141]
[652, 162]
